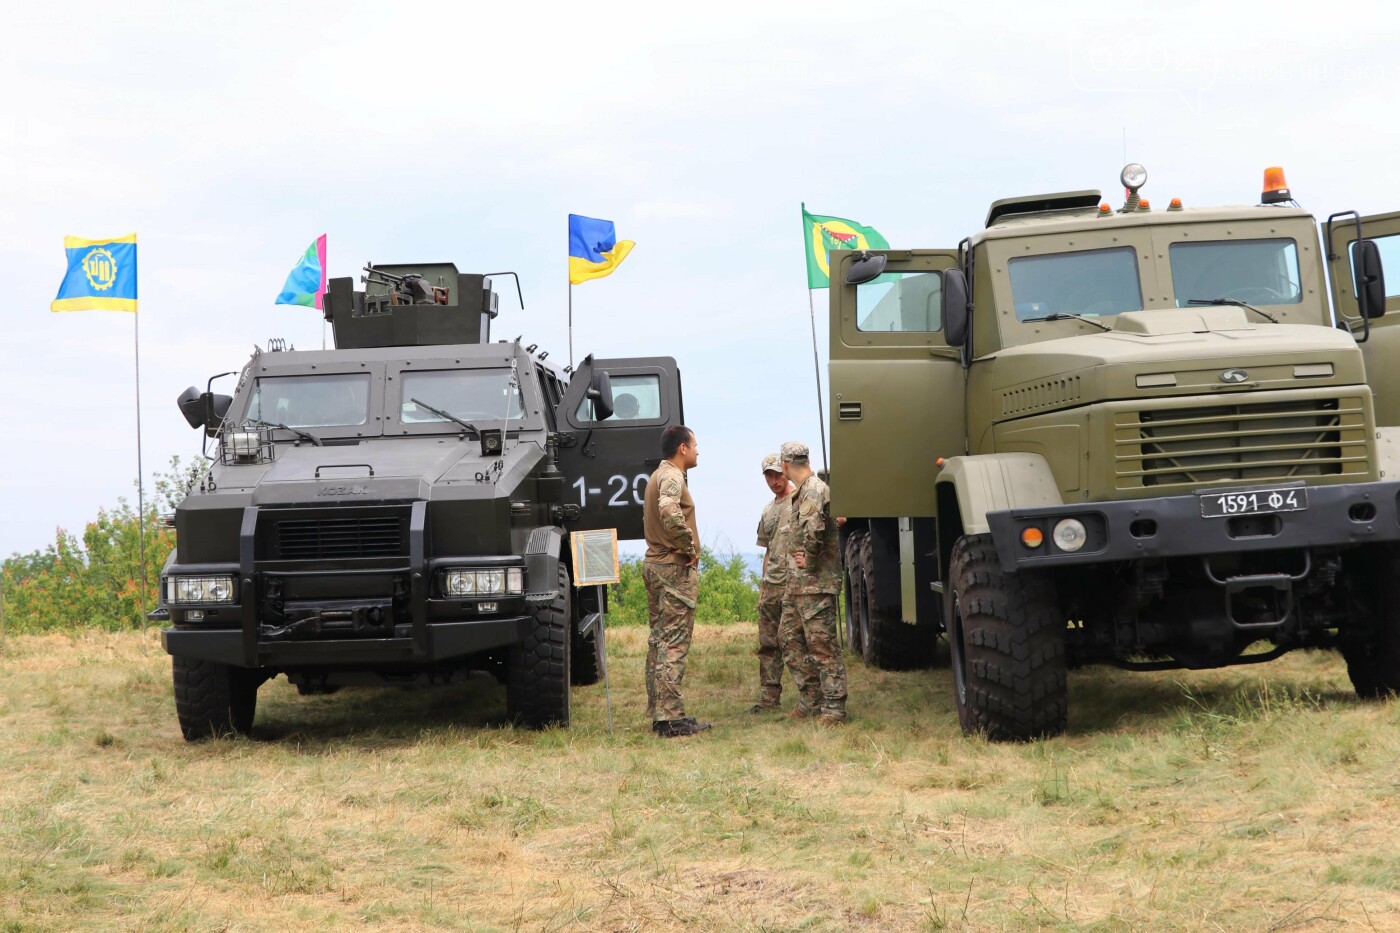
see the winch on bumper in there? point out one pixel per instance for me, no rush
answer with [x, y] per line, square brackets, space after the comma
[278, 613]
[1275, 517]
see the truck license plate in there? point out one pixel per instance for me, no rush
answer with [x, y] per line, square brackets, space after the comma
[1253, 502]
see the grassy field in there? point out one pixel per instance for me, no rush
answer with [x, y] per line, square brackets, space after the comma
[1261, 798]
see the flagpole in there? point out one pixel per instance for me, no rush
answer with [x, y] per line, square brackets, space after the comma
[817, 371]
[571, 324]
[140, 473]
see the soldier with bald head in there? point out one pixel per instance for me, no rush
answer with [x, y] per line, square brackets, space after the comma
[807, 630]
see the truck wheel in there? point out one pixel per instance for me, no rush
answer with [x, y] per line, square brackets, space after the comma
[890, 643]
[537, 682]
[213, 700]
[1007, 642]
[587, 659]
[1373, 653]
[857, 621]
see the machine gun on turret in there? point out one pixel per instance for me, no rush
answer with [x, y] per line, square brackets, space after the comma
[407, 289]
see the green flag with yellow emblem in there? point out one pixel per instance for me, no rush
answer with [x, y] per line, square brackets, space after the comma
[825, 234]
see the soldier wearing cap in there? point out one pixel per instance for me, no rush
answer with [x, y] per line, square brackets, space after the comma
[672, 581]
[772, 537]
[807, 631]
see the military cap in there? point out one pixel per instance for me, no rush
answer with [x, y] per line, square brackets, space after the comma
[772, 464]
[794, 452]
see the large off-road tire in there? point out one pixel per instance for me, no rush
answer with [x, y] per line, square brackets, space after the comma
[213, 700]
[587, 661]
[1007, 641]
[1372, 648]
[857, 620]
[891, 644]
[537, 679]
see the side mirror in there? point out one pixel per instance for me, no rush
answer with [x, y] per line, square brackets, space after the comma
[191, 404]
[1370, 278]
[218, 406]
[600, 394]
[955, 308]
[866, 267]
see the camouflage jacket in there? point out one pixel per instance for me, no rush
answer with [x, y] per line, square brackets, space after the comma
[773, 536]
[813, 531]
[668, 517]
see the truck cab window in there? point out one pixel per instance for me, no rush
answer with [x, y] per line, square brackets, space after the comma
[1092, 282]
[483, 394]
[312, 401]
[1254, 271]
[635, 398]
[901, 302]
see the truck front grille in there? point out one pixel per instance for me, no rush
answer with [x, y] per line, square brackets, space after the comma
[337, 537]
[1271, 441]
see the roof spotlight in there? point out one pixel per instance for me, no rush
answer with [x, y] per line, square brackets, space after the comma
[1133, 177]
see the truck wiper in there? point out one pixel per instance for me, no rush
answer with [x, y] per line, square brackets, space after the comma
[448, 415]
[287, 427]
[1066, 316]
[1232, 302]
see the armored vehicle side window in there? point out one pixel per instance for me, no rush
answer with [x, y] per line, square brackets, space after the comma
[312, 401]
[635, 398]
[901, 301]
[1091, 282]
[1255, 271]
[484, 394]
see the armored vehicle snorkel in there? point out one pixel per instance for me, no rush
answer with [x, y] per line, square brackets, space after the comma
[1137, 436]
[400, 509]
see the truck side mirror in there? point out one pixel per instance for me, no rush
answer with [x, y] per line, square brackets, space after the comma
[600, 394]
[955, 307]
[191, 403]
[865, 268]
[1370, 278]
[217, 410]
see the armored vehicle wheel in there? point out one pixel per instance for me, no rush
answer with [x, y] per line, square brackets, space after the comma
[1007, 642]
[890, 643]
[857, 621]
[587, 659]
[537, 679]
[213, 700]
[1373, 652]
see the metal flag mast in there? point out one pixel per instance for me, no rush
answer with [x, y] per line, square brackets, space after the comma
[140, 473]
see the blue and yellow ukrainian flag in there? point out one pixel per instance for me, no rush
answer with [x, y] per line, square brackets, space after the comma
[101, 275]
[594, 250]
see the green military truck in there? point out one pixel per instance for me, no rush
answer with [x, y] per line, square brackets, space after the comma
[1140, 436]
[400, 510]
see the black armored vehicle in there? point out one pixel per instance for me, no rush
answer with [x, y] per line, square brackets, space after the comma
[398, 510]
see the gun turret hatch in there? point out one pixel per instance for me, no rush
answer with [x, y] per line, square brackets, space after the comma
[411, 305]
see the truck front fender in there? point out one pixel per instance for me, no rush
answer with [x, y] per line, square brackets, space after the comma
[992, 482]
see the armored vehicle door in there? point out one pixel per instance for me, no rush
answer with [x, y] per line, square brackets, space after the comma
[1379, 331]
[897, 388]
[606, 463]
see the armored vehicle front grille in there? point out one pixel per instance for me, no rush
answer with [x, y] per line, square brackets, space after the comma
[331, 538]
[1272, 441]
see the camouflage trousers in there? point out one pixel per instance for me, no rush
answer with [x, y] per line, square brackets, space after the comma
[671, 591]
[770, 655]
[807, 634]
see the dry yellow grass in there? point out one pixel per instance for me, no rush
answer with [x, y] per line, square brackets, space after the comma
[1246, 799]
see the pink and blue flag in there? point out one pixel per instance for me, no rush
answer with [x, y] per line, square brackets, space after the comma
[307, 283]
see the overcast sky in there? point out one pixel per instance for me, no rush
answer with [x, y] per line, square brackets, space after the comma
[230, 137]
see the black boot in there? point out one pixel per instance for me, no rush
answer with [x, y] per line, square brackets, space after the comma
[677, 728]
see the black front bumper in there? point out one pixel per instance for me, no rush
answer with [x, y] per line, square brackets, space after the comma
[237, 635]
[1173, 526]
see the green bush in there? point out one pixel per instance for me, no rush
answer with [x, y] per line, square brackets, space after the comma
[94, 580]
[728, 591]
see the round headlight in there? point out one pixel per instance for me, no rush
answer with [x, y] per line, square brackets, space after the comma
[1070, 535]
[1133, 176]
[219, 590]
[461, 582]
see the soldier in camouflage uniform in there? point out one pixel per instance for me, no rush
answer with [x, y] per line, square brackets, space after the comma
[670, 573]
[807, 631]
[772, 537]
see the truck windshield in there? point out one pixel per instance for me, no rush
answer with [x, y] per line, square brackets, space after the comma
[471, 394]
[1262, 272]
[310, 401]
[1092, 283]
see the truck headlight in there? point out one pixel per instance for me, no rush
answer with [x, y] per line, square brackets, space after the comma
[1069, 535]
[213, 588]
[497, 581]
[244, 444]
